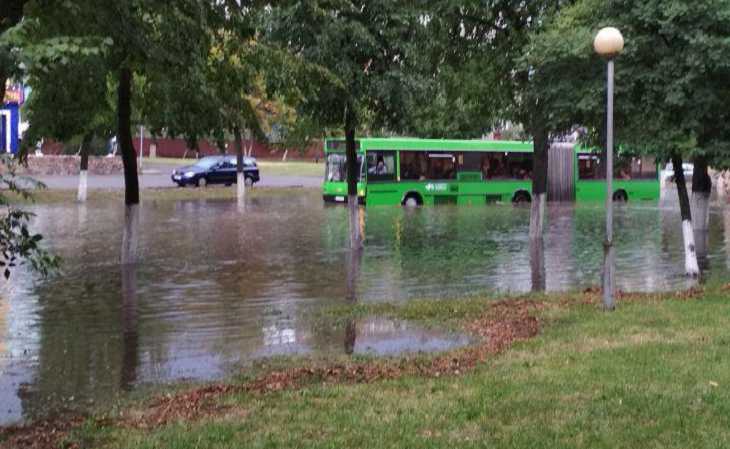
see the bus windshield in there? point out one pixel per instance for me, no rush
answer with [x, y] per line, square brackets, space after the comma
[336, 167]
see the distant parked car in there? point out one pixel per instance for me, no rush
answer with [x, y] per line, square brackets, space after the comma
[668, 172]
[216, 170]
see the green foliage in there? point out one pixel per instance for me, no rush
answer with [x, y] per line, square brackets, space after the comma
[670, 79]
[18, 245]
[349, 59]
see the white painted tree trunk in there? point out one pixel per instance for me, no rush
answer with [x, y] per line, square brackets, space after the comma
[726, 229]
[83, 186]
[241, 191]
[537, 264]
[130, 238]
[690, 255]
[537, 215]
[700, 210]
[286, 153]
[702, 241]
[353, 273]
[356, 237]
[240, 186]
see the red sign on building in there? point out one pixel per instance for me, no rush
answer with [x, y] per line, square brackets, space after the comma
[14, 94]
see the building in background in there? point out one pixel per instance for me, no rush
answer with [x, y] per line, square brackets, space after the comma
[10, 119]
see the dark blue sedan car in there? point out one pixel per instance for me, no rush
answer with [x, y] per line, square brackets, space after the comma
[216, 170]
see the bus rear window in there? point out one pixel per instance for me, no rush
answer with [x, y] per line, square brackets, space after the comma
[589, 167]
[336, 167]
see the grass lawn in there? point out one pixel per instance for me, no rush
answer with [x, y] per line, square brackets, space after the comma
[267, 167]
[653, 374]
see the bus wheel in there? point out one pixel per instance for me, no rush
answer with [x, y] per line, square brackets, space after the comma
[620, 196]
[521, 197]
[412, 200]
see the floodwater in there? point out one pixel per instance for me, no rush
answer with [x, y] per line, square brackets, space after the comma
[220, 287]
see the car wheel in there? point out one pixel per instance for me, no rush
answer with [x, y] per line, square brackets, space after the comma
[202, 182]
[248, 181]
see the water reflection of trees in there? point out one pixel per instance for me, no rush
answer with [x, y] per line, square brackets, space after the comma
[88, 346]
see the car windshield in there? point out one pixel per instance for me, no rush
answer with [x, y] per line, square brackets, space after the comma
[207, 162]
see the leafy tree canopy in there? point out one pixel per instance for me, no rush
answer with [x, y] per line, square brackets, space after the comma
[670, 80]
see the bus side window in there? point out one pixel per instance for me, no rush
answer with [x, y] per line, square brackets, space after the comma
[643, 168]
[381, 165]
[413, 165]
[441, 166]
[520, 165]
[494, 166]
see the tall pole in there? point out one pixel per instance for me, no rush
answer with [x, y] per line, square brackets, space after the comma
[141, 150]
[609, 259]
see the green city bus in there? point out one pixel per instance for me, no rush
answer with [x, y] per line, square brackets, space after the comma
[634, 178]
[413, 172]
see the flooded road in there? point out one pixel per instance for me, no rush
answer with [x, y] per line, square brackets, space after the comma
[219, 288]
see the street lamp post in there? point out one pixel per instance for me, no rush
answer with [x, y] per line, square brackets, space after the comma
[609, 43]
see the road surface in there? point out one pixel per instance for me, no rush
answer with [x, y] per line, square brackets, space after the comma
[159, 178]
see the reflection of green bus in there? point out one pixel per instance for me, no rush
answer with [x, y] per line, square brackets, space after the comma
[411, 172]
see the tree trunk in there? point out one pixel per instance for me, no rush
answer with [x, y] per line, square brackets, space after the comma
[286, 153]
[701, 190]
[539, 182]
[130, 238]
[131, 182]
[124, 137]
[221, 144]
[130, 339]
[3, 80]
[350, 336]
[537, 265]
[352, 201]
[690, 255]
[83, 168]
[702, 242]
[240, 179]
[354, 260]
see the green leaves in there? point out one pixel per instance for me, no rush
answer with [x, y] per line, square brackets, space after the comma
[670, 84]
[348, 54]
[18, 245]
